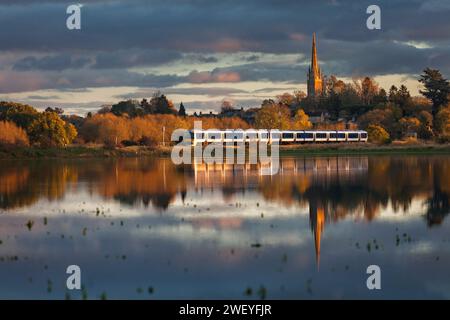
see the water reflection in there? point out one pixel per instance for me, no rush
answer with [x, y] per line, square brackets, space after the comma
[185, 225]
[338, 186]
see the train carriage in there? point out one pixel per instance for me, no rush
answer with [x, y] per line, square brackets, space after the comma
[332, 136]
[287, 136]
[275, 136]
[320, 136]
[263, 135]
[353, 136]
[214, 136]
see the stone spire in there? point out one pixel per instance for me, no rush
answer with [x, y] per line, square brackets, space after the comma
[314, 76]
[314, 65]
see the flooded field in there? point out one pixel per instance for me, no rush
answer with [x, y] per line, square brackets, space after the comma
[146, 229]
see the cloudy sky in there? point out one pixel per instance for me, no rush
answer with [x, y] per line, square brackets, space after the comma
[201, 52]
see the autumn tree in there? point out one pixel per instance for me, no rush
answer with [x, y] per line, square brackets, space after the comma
[301, 121]
[409, 125]
[21, 114]
[273, 116]
[369, 89]
[377, 134]
[442, 121]
[12, 135]
[49, 130]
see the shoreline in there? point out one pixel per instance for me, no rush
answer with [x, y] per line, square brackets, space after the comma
[80, 152]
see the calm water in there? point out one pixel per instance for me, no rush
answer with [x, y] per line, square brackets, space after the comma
[143, 228]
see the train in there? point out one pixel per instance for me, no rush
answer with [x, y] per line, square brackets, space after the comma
[276, 136]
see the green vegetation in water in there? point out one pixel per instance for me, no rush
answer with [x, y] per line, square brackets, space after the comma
[30, 224]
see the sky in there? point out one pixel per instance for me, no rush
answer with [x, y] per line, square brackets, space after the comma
[201, 52]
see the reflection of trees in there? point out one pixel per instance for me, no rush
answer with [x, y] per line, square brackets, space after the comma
[359, 186]
[154, 181]
[438, 202]
[23, 183]
[126, 180]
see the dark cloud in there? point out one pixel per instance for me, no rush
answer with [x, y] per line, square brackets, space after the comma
[134, 58]
[37, 97]
[50, 63]
[118, 35]
[207, 91]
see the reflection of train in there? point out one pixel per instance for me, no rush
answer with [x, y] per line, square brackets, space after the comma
[275, 136]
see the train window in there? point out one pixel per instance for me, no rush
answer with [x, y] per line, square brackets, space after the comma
[238, 135]
[353, 136]
[288, 135]
[333, 135]
[321, 135]
[309, 136]
[275, 135]
[363, 135]
[263, 135]
[341, 135]
[251, 135]
[199, 135]
[214, 135]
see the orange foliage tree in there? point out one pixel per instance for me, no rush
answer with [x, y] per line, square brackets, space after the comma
[12, 135]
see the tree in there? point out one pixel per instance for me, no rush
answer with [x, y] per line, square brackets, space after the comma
[21, 114]
[437, 88]
[12, 135]
[49, 130]
[369, 89]
[161, 105]
[56, 110]
[382, 117]
[182, 110]
[442, 121]
[409, 125]
[226, 106]
[426, 123]
[301, 121]
[130, 107]
[286, 99]
[273, 116]
[377, 134]
[381, 97]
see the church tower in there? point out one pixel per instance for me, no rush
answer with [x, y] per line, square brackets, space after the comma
[314, 84]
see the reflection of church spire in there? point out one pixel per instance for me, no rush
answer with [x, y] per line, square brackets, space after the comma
[317, 221]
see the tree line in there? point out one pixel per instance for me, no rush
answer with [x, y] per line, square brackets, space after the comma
[385, 115]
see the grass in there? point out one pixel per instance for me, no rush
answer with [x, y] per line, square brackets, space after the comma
[78, 151]
[365, 149]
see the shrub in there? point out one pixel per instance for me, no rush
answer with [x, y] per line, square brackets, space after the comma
[12, 135]
[49, 130]
[377, 134]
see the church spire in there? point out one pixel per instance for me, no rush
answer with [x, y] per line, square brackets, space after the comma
[314, 65]
[314, 83]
